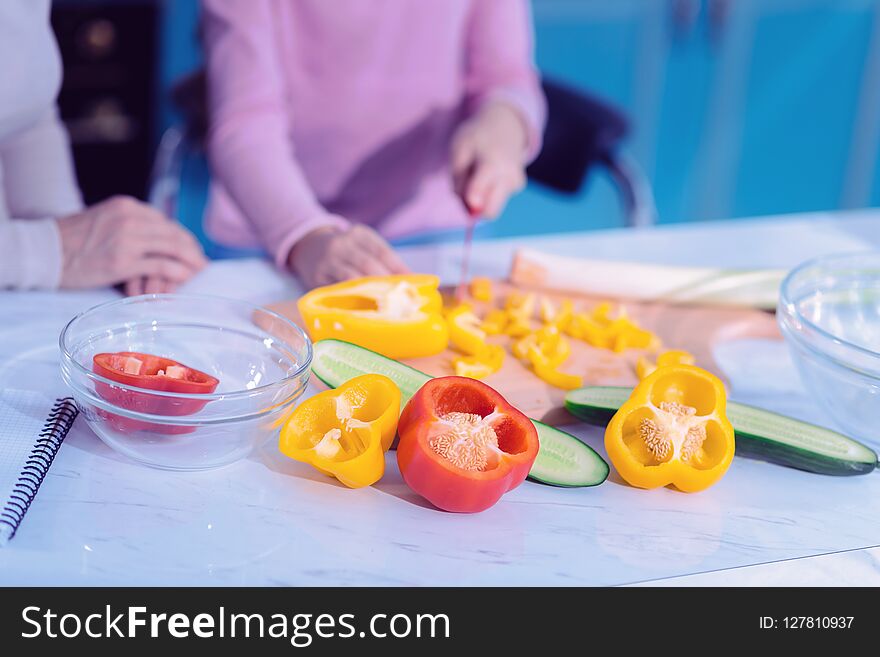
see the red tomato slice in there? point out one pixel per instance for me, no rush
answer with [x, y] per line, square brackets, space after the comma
[151, 372]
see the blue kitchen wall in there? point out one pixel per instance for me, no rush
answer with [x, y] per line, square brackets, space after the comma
[740, 108]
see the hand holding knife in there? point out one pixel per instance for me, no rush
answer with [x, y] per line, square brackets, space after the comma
[488, 161]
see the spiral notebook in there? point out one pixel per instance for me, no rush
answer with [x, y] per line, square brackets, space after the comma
[32, 428]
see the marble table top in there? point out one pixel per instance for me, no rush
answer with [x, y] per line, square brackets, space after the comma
[100, 519]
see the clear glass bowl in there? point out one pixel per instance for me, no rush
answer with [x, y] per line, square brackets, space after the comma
[829, 313]
[260, 359]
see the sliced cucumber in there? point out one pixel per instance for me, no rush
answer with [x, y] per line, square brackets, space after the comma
[563, 460]
[759, 434]
[337, 361]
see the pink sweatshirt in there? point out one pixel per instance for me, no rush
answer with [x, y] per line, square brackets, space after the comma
[330, 111]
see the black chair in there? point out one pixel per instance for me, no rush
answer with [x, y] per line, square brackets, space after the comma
[583, 132]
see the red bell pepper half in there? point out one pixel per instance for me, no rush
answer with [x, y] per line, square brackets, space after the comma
[462, 446]
[139, 370]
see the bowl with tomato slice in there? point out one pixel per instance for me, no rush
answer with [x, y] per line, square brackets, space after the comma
[184, 382]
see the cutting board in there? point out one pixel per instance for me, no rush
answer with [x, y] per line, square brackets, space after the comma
[697, 329]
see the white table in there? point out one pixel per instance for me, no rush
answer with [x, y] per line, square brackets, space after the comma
[100, 519]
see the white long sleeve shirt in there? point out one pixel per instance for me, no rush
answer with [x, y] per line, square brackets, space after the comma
[37, 179]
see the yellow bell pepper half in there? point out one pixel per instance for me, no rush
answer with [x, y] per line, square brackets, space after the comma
[673, 430]
[397, 316]
[345, 432]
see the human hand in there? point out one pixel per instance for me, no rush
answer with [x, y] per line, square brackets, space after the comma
[122, 240]
[330, 255]
[488, 159]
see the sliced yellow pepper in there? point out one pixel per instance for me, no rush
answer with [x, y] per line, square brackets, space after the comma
[573, 328]
[563, 317]
[556, 378]
[465, 331]
[545, 349]
[644, 367]
[479, 367]
[521, 305]
[481, 289]
[345, 432]
[520, 347]
[553, 346]
[494, 356]
[602, 311]
[599, 330]
[672, 430]
[495, 322]
[518, 327]
[547, 343]
[397, 316]
[471, 367]
[675, 357]
[639, 338]
[546, 310]
[592, 332]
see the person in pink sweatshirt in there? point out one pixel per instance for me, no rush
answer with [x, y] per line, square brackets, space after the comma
[337, 125]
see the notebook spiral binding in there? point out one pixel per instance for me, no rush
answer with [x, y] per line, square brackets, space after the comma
[54, 431]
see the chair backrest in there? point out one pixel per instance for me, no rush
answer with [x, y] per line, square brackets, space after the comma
[190, 96]
[581, 131]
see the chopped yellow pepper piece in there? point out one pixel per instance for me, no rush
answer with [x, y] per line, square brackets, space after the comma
[562, 319]
[495, 322]
[546, 310]
[599, 330]
[518, 327]
[619, 343]
[471, 367]
[573, 328]
[547, 344]
[556, 378]
[494, 356]
[465, 332]
[481, 289]
[520, 348]
[675, 357]
[592, 332]
[602, 311]
[521, 305]
[645, 367]
[479, 367]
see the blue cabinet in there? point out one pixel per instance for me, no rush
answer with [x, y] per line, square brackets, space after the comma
[740, 108]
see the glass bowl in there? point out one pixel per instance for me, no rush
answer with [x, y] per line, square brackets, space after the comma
[260, 359]
[829, 313]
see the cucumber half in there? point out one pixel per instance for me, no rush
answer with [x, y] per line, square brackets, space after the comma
[759, 434]
[562, 460]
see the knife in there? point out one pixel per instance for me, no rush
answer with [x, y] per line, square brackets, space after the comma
[461, 288]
